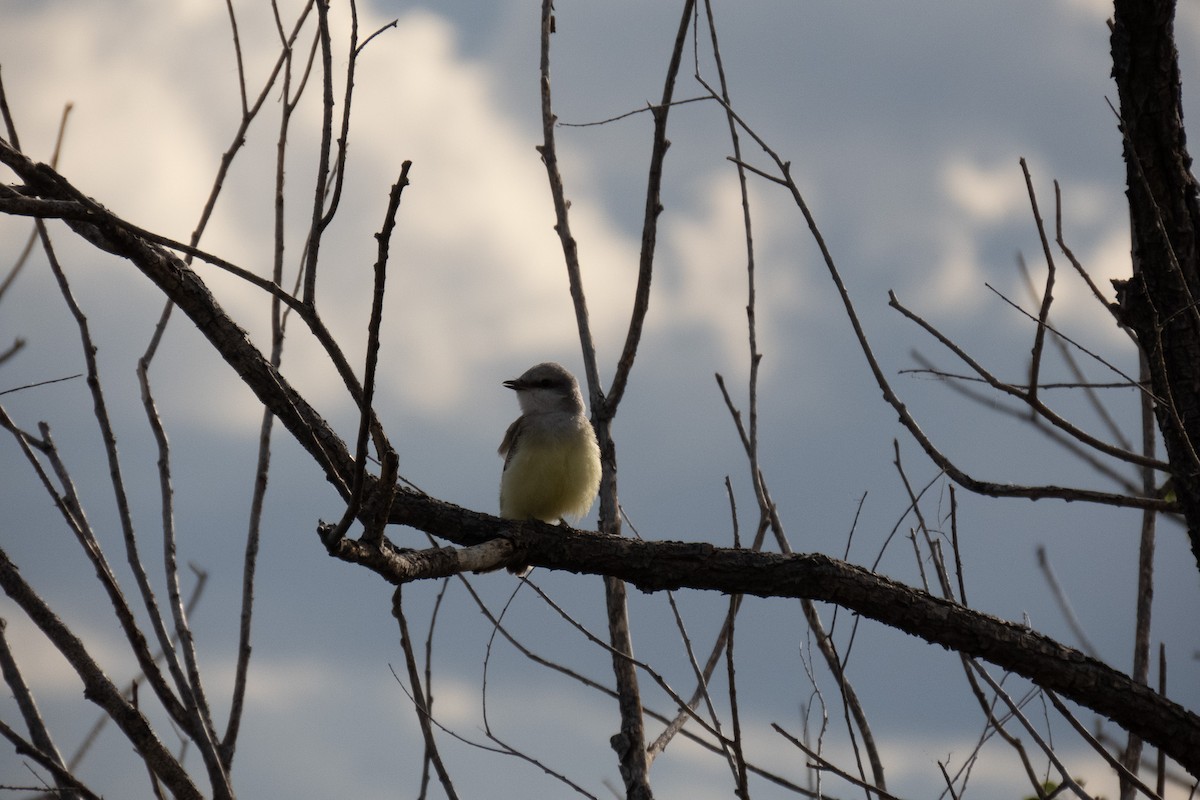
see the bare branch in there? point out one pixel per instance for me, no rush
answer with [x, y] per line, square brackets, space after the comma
[1083, 273]
[420, 697]
[1145, 582]
[41, 740]
[562, 224]
[68, 784]
[824, 765]
[204, 736]
[1039, 339]
[320, 185]
[31, 242]
[1064, 775]
[658, 154]
[1121, 769]
[655, 566]
[646, 109]
[97, 687]
[1029, 395]
[1064, 602]
[368, 424]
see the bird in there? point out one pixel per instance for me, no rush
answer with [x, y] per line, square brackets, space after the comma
[551, 458]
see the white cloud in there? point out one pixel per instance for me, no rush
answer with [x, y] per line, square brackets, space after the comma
[1105, 258]
[476, 268]
[43, 667]
[476, 271]
[702, 283]
[984, 197]
[957, 273]
[988, 194]
[133, 139]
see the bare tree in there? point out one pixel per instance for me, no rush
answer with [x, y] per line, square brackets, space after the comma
[1156, 306]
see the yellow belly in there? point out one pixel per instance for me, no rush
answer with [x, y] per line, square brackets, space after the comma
[551, 477]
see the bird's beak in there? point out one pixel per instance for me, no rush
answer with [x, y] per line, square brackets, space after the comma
[514, 384]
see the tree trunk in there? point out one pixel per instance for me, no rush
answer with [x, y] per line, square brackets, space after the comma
[1159, 302]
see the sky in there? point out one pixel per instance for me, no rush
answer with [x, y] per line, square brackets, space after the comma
[904, 124]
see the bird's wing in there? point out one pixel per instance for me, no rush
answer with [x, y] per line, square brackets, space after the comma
[509, 445]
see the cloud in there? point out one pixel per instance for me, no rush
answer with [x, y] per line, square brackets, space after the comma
[984, 198]
[1076, 310]
[702, 284]
[479, 275]
[46, 671]
[988, 194]
[128, 121]
[477, 271]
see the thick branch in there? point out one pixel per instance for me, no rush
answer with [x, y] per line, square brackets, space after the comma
[184, 287]
[1158, 303]
[655, 566]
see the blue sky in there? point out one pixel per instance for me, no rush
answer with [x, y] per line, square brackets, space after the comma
[904, 124]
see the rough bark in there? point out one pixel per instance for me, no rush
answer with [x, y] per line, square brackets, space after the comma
[1159, 301]
[656, 566]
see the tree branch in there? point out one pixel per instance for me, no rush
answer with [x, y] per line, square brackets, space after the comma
[98, 688]
[656, 566]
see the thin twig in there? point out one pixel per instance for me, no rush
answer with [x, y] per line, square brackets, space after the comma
[237, 52]
[426, 762]
[702, 680]
[194, 697]
[1093, 460]
[368, 425]
[957, 376]
[851, 705]
[653, 208]
[1028, 396]
[720, 642]
[1089, 389]
[914, 504]
[1039, 337]
[1064, 774]
[31, 242]
[103, 719]
[736, 744]
[981, 487]
[266, 424]
[648, 108]
[958, 566]
[1110, 307]
[39, 734]
[1160, 764]
[994, 724]
[487, 727]
[1123, 772]
[822, 764]
[419, 696]
[40, 383]
[587, 682]
[97, 687]
[653, 673]
[320, 185]
[1064, 603]
[74, 515]
[69, 785]
[1145, 580]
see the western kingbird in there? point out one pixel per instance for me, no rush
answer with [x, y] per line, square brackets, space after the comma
[551, 459]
